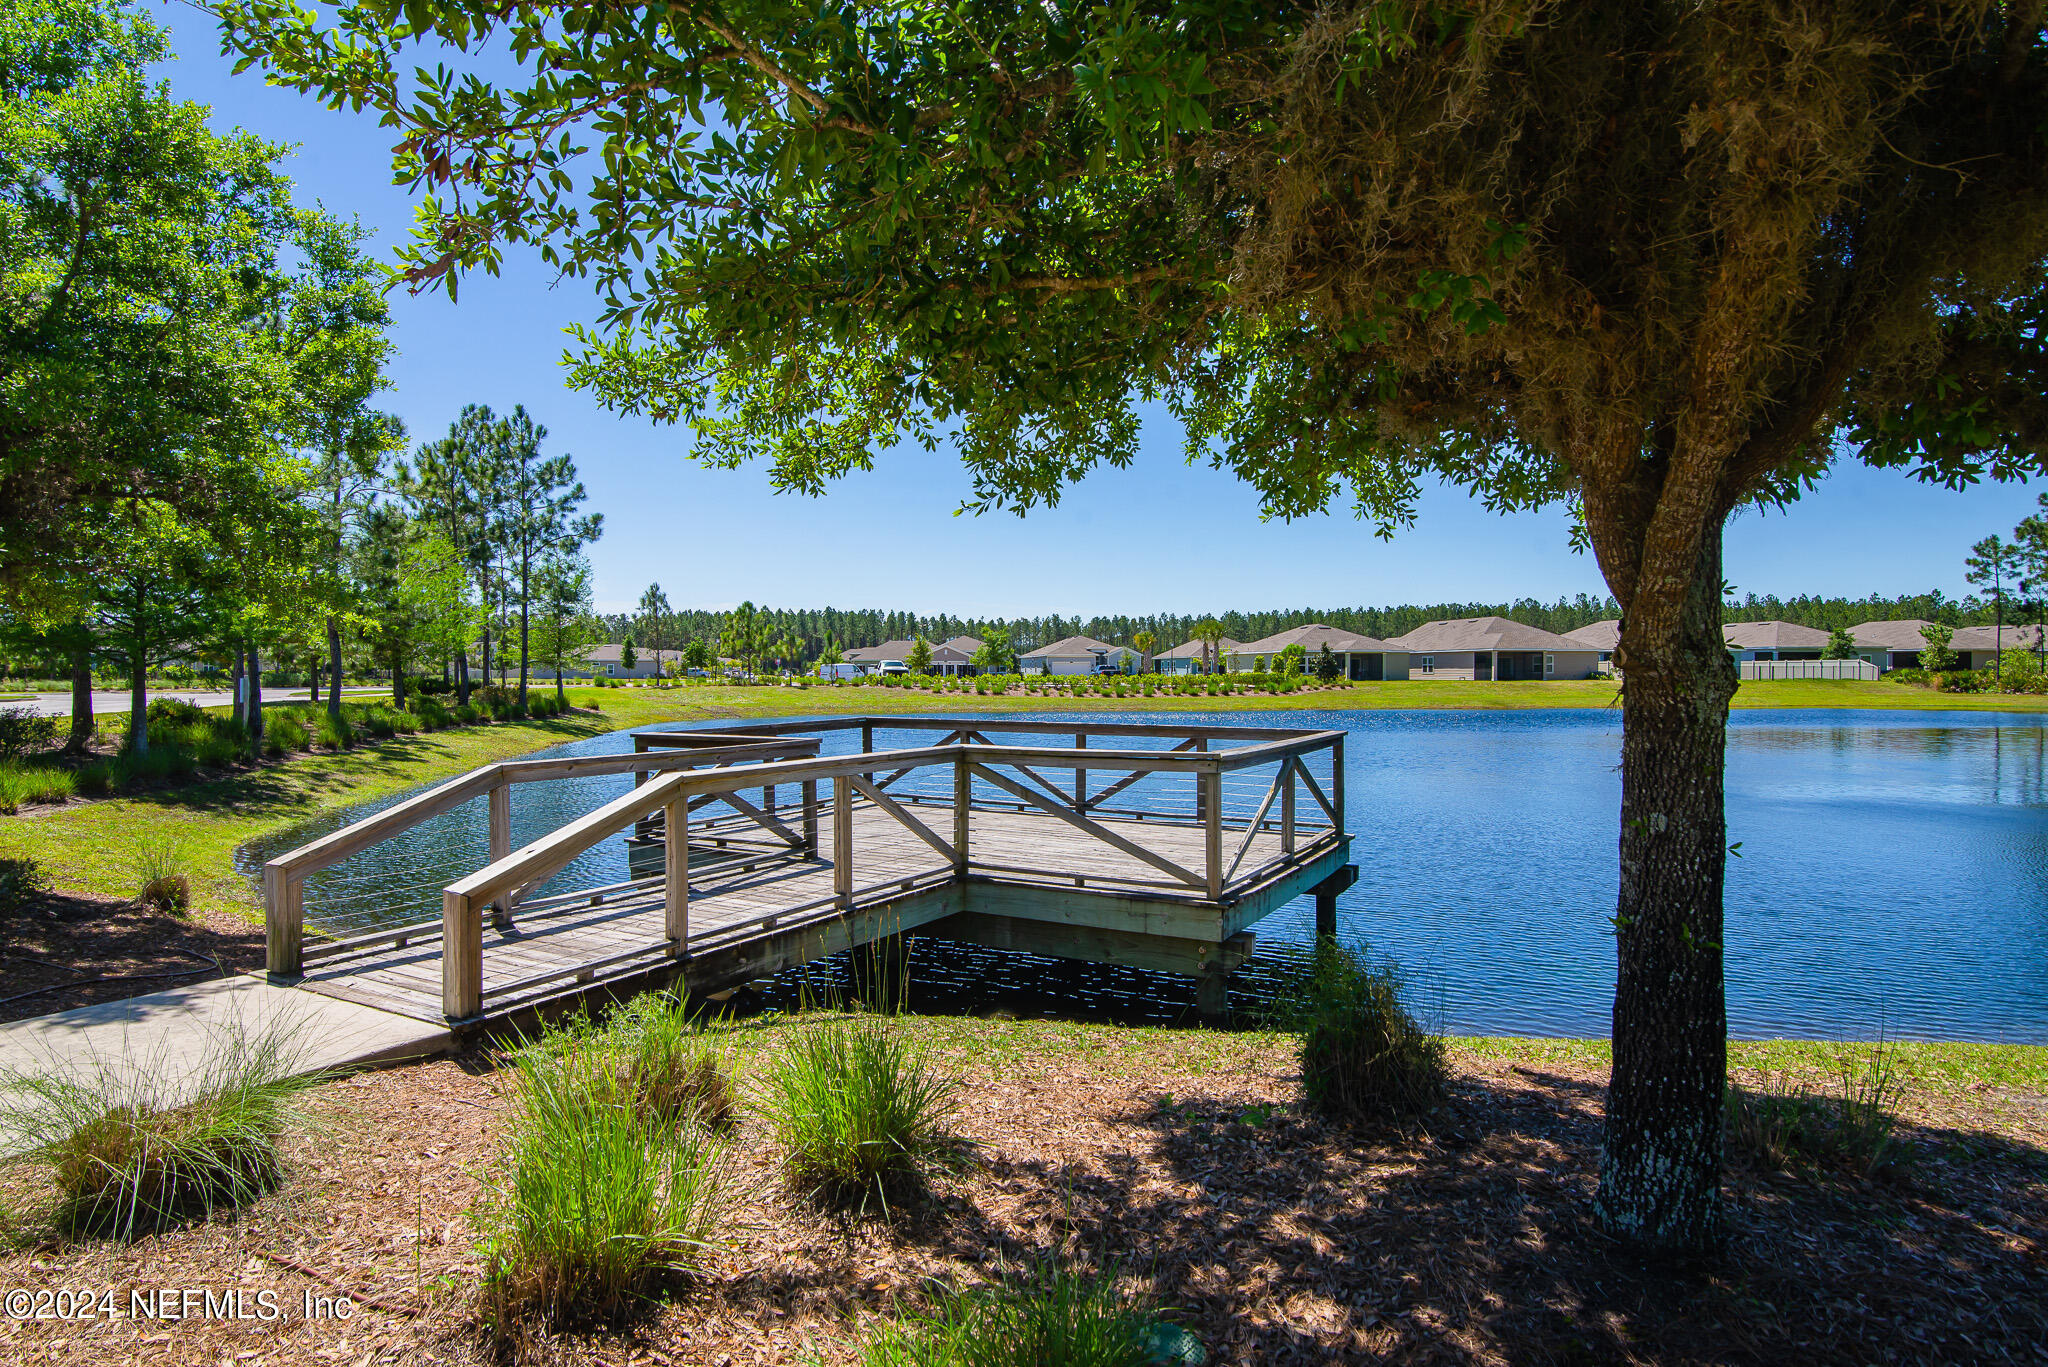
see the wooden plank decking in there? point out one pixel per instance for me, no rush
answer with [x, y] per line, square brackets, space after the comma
[736, 901]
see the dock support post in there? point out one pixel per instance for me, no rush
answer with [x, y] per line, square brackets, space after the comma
[1286, 806]
[676, 871]
[867, 737]
[1080, 775]
[1212, 993]
[842, 840]
[1326, 915]
[284, 922]
[1211, 782]
[811, 818]
[462, 958]
[963, 807]
[501, 845]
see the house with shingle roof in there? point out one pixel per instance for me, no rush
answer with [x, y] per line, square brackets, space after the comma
[948, 657]
[1187, 657]
[1078, 655]
[1773, 640]
[1493, 648]
[1358, 657]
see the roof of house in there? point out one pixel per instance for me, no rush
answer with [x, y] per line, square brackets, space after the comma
[1482, 633]
[942, 653]
[1073, 647]
[1192, 650]
[1900, 634]
[1772, 635]
[609, 653]
[1991, 638]
[1597, 635]
[961, 645]
[1313, 638]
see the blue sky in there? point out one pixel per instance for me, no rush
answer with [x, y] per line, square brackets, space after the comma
[1158, 537]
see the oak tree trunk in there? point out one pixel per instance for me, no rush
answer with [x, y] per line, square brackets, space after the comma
[255, 722]
[138, 702]
[1661, 1162]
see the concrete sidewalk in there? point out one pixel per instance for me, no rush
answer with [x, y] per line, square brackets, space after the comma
[115, 701]
[164, 1044]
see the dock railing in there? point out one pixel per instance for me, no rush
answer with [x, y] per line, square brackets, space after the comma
[284, 878]
[965, 773]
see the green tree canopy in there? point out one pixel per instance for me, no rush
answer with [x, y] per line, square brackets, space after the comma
[1657, 261]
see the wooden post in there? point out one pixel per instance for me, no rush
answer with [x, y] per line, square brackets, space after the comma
[811, 817]
[1337, 781]
[842, 840]
[284, 921]
[462, 958]
[1201, 787]
[501, 844]
[1212, 830]
[963, 806]
[1080, 775]
[867, 737]
[643, 829]
[1287, 806]
[676, 868]
[1326, 914]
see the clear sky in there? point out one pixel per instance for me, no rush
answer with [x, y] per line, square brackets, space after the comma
[1158, 537]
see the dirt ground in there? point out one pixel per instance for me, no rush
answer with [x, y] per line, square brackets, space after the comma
[71, 949]
[1182, 1159]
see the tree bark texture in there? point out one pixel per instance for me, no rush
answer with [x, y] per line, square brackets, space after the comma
[138, 703]
[1661, 1159]
[81, 699]
[255, 721]
[334, 668]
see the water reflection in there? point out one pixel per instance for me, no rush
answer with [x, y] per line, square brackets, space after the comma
[1893, 874]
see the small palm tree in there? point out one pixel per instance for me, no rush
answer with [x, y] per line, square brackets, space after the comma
[1144, 641]
[1209, 632]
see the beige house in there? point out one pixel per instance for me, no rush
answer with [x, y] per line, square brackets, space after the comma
[1604, 637]
[603, 662]
[1493, 648]
[1078, 655]
[1358, 657]
[1979, 646]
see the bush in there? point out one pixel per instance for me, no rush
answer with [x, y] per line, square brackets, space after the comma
[96, 779]
[22, 881]
[429, 686]
[432, 713]
[1784, 1124]
[466, 714]
[159, 864]
[283, 734]
[175, 712]
[1363, 1055]
[1056, 1319]
[860, 1112]
[23, 731]
[125, 1158]
[21, 784]
[596, 1204]
[333, 732]
[378, 723]
[491, 699]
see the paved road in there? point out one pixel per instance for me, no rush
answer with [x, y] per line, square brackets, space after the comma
[105, 703]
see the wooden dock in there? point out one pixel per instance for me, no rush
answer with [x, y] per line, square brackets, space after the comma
[1152, 846]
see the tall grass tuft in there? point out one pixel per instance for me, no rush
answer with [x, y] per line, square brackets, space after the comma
[22, 784]
[673, 1074]
[159, 865]
[1056, 1319]
[861, 1114]
[1785, 1124]
[124, 1158]
[333, 732]
[596, 1205]
[1364, 1056]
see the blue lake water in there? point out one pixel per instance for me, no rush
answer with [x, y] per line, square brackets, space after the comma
[1892, 878]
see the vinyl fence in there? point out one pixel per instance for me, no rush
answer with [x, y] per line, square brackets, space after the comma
[1808, 669]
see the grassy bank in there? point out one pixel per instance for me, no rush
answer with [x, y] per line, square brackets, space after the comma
[91, 846]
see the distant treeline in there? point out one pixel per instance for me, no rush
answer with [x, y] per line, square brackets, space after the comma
[851, 628]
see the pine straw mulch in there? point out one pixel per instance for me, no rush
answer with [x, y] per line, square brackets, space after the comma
[1181, 1158]
[70, 949]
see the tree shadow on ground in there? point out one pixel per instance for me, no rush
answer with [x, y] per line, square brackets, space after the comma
[1283, 1239]
[63, 950]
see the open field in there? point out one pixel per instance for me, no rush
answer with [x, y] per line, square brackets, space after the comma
[1183, 1159]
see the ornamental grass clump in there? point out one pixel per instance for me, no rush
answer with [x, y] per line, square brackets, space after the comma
[131, 1146]
[22, 784]
[1364, 1056]
[862, 1114]
[596, 1206]
[1784, 1124]
[159, 865]
[1055, 1319]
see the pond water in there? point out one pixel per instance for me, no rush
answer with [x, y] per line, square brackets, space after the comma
[1892, 878]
